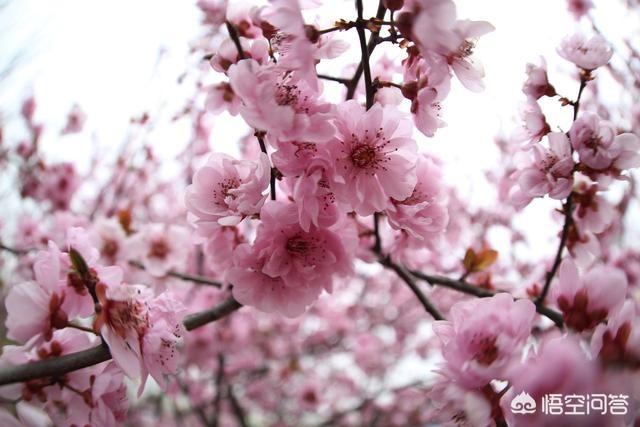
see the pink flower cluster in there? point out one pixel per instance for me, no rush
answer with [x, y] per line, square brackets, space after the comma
[70, 289]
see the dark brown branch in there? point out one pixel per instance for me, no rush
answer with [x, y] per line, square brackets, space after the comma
[201, 318]
[59, 366]
[263, 147]
[238, 410]
[14, 251]
[364, 49]
[568, 211]
[342, 80]
[468, 288]
[217, 401]
[233, 33]
[408, 279]
[351, 89]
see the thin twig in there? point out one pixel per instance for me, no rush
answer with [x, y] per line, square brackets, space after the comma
[343, 80]
[568, 211]
[468, 288]
[364, 49]
[184, 276]
[408, 279]
[238, 410]
[14, 251]
[233, 33]
[351, 89]
[218, 398]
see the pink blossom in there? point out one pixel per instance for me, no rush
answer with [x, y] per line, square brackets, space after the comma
[110, 238]
[430, 87]
[287, 107]
[534, 124]
[560, 367]
[93, 396]
[160, 248]
[579, 8]
[218, 246]
[586, 301]
[594, 212]
[227, 53]
[617, 342]
[550, 171]
[52, 300]
[482, 338]
[433, 25]
[160, 340]
[423, 214]
[587, 54]
[292, 42]
[598, 145]
[306, 168]
[374, 155]
[453, 405]
[221, 97]
[44, 309]
[58, 184]
[537, 84]
[286, 268]
[226, 190]
[122, 321]
[469, 70]
[75, 120]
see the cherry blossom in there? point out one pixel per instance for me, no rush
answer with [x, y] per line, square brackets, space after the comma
[312, 248]
[478, 345]
[586, 301]
[226, 190]
[598, 145]
[587, 54]
[374, 157]
[537, 84]
[159, 248]
[549, 172]
[423, 214]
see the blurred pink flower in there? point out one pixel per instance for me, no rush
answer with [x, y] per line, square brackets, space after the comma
[586, 301]
[423, 214]
[598, 145]
[483, 337]
[537, 84]
[160, 248]
[550, 171]
[587, 54]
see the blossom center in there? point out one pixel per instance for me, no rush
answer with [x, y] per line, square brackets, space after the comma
[298, 245]
[363, 156]
[487, 351]
[126, 315]
[110, 248]
[159, 249]
[224, 191]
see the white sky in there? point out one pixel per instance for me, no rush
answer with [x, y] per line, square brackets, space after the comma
[105, 57]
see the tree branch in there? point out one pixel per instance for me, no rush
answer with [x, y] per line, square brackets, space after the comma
[184, 276]
[408, 279]
[568, 211]
[351, 89]
[59, 366]
[238, 410]
[468, 288]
